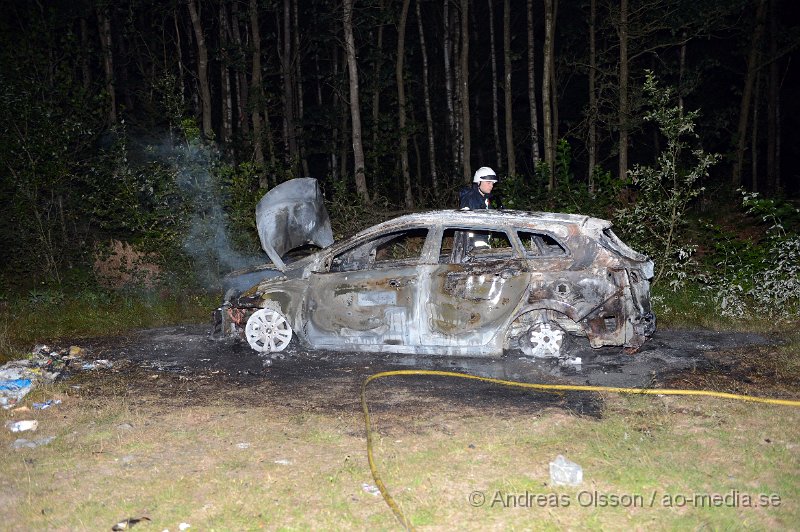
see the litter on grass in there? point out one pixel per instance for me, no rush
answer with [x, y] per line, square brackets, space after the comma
[43, 365]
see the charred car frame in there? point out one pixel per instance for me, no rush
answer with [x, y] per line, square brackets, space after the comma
[450, 282]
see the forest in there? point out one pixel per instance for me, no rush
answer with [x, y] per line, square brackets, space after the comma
[160, 124]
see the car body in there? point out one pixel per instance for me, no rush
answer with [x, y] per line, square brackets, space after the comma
[454, 282]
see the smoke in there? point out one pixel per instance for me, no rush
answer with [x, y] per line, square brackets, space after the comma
[207, 240]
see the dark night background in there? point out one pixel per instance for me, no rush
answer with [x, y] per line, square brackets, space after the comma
[105, 133]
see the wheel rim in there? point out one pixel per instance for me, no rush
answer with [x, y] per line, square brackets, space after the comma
[267, 331]
[543, 340]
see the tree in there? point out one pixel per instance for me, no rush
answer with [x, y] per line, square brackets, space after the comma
[464, 92]
[242, 94]
[256, 90]
[532, 89]
[106, 45]
[547, 91]
[747, 92]
[592, 118]
[452, 122]
[495, 118]
[624, 112]
[202, 68]
[427, 98]
[355, 110]
[512, 158]
[287, 74]
[666, 188]
[226, 97]
[401, 103]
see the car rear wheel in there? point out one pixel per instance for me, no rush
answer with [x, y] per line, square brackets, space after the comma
[267, 331]
[543, 340]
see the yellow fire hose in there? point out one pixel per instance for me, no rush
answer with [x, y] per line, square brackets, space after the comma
[529, 385]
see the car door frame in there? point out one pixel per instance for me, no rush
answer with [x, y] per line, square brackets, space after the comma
[393, 304]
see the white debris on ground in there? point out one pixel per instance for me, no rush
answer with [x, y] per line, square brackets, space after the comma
[372, 490]
[43, 365]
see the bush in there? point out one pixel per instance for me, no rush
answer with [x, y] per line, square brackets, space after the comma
[655, 222]
[759, 278]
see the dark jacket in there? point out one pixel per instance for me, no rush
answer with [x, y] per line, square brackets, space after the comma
[471, 197]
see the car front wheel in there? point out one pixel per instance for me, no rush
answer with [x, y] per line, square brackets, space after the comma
[267, 331]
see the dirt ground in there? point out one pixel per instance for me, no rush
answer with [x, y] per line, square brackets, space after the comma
[329, 381]
[183, 427]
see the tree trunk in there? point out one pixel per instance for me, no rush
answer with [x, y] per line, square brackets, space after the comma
[226, 100]
[532, 90]
[623, 89]
[681, 71]
[179, 55]
[376, 90]
[592, 118]
[104, 26]
[401, 103]
[298, 78]
[772, 102]
[747, 93]
[122, 80]
[547, 108]
[355, 111]
[288, 91]
[464, 84]
[202, 69]
[257, 92]
[427, 97]
[754, 135]
[448, 84]
[418, 161]
[495, 117]
[344, 151]
[510, 151]
[339, 106]
[86, 72]
[241, 77]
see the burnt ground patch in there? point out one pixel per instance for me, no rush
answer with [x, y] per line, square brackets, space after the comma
[184, 366]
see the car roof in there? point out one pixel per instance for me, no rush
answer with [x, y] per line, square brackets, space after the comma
[491, 217]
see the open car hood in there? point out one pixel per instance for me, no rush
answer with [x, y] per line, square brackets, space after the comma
[291, 215]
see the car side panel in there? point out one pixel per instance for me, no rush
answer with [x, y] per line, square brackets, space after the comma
[470, 304]
[362, 307]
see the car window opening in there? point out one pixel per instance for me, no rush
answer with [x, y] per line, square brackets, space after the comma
[396, 249]
[540, 245]
[465, 245]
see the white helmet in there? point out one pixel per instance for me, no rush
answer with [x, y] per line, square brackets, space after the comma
[484, 173]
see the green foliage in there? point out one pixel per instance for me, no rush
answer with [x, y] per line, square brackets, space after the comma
[46, 314]
[241, 191]
[135, 197]
[570, 195]
[763, 277]
[521, 193]
[42, 141]
[346, 210]
[191, 130]
[655, 221]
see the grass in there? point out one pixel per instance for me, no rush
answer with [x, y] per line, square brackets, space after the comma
[658, 449]
[37, 319]
[186, 465]
[690, 307]
[169, 449]
[173, 458]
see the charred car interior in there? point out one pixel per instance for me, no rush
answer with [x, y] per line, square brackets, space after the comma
[467, 283]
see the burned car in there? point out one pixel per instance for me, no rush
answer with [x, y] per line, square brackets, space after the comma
[447, 282]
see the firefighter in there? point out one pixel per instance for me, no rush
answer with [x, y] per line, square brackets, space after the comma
[479, 195]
